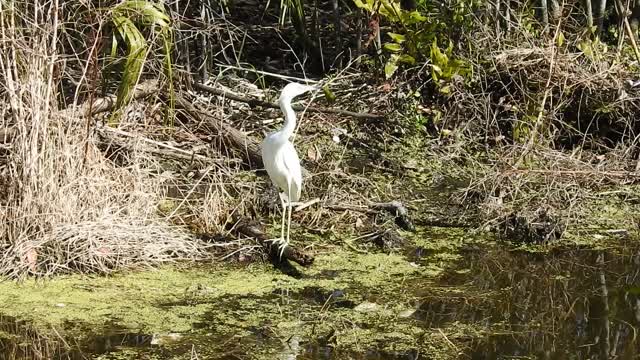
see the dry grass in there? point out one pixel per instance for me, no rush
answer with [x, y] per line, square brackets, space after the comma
[64, 205]
[544, 127]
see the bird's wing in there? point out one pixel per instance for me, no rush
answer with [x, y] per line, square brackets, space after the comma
[291, 162]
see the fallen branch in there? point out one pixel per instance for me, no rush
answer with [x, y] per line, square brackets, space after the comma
[255, 230]
[398, 211]
[107, 103]
[248, 147]
[160, 147]
[395, 208]
[266, 104]
[234, 138]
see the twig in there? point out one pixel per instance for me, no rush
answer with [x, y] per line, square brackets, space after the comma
[453, 346]
[144, 89]
[627, 27]
[307, 204]
[256, 102]
[279, 76]
[357, 208]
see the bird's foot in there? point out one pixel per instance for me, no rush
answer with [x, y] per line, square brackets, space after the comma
[282, 244]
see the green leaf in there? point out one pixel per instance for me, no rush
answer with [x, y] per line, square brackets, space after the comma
[391, 66]
[585, 47]
[392, 47]
[390, 9]
[437, 57]
[633, 290]
[114, 46]
[399, 38]
[413, 17]
[328, 94]
[365, 6]
[407, 59]
[560, 39]
[126, 17]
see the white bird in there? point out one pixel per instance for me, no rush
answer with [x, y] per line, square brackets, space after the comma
[281, 159]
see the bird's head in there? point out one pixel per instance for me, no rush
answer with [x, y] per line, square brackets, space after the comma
[295, 89]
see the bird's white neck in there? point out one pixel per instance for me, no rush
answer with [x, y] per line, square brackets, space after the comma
[289, 120]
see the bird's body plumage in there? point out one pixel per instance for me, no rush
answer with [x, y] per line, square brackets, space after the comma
[280, 157]
[283, 166]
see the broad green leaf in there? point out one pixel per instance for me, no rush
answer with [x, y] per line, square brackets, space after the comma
[391, 9]
[365, 6]
[413, 17]
[328, 94]
[392, 47]
[391, 66]
[148, 12]
[560, 39]
[585, 47]
[437, 57]
[633, 290]
[125, 16]
[407, 59]
[399, 38]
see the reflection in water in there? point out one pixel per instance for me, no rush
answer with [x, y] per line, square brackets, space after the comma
[581, 304]
[19, 340]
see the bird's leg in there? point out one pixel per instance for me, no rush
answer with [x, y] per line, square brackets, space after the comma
[286, 243]
[284, 213]
[281, 241]
[288, 228]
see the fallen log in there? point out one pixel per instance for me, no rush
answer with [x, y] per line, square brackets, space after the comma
[255, 102]
[394, 208]
[248, 148]
[108, 103]
[398, 211]
[254, 229]
[118, 137]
